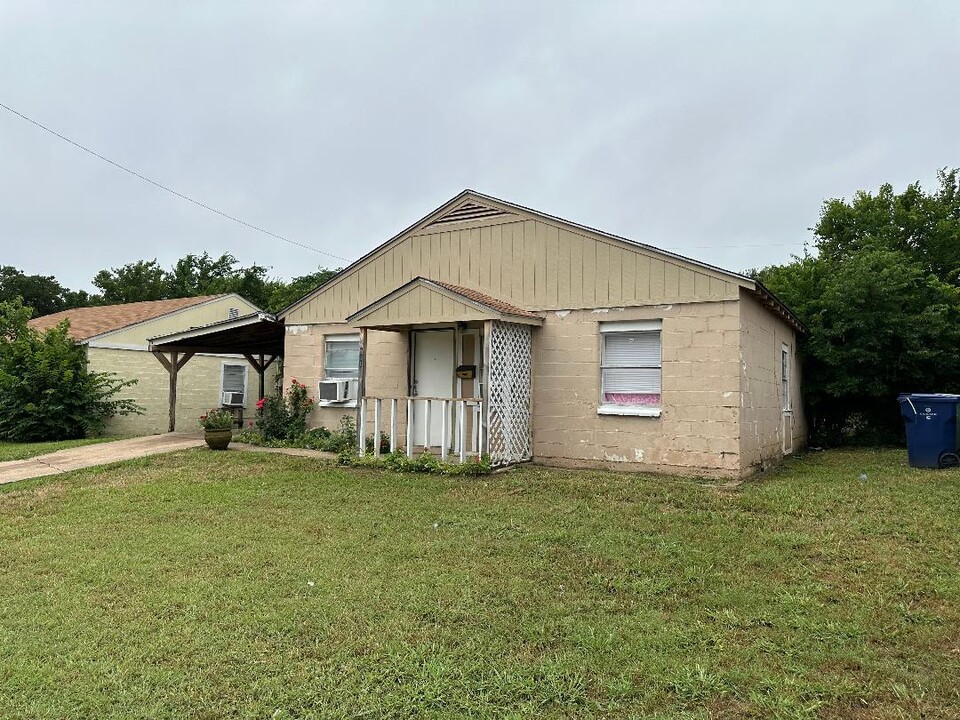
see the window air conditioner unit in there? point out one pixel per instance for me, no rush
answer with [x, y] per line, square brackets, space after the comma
[232, 399]
[333, 391]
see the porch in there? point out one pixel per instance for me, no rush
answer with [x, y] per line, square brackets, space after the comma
[469, 367]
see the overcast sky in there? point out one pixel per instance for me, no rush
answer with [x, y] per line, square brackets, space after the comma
[711, 129]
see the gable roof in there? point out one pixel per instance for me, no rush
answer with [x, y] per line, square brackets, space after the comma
[89, 322]
[470, 205]
[403, 306]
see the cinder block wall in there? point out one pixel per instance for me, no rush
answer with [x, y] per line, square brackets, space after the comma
[763, 335]
[387, 370]
[198, 389]
[698, 430]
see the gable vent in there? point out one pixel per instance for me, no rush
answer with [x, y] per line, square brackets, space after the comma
[468, 211]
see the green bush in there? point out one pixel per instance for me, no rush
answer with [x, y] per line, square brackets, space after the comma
[320, 438]
[398, 461]
[46, 390]
[283, 416]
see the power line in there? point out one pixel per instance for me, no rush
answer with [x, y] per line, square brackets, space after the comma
[166, 188]
[709, 247]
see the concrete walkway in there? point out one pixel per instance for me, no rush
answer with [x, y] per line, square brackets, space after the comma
[100, 454]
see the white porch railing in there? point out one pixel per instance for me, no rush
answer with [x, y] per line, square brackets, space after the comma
[461, 425]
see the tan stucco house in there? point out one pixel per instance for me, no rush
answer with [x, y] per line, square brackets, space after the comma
[116, 338]
[487, 327]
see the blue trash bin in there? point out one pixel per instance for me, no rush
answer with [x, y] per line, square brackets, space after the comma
[931, 421]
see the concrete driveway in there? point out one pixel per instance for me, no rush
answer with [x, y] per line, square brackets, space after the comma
[100, 454]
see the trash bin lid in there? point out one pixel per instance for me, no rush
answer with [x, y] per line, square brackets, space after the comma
[929, 396]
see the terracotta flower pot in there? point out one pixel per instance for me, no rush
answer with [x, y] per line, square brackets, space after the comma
[218, 439]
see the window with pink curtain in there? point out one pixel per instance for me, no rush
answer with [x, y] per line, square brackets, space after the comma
[630, 368]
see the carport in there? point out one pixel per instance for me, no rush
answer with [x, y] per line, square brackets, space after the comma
[258, 337]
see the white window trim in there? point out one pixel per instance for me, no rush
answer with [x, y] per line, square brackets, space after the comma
[630, 326]
[786, 402]
[246, 377]
[622, 327]
[338, 337]
[628, 410]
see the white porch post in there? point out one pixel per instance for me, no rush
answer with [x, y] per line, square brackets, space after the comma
[361, 394]
[393, 425]
[485, 387]
[409, 427]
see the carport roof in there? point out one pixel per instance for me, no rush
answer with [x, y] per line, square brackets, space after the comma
[254, 334]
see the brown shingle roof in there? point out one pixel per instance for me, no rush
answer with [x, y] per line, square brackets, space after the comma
[87, 322]
[490, 302]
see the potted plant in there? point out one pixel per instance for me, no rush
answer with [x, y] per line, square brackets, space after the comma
[217, 424]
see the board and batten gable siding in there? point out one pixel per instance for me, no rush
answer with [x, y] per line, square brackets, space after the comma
[177, 321]
[530, 262]
[426, 305]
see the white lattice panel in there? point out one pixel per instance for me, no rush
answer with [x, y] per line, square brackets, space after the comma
[510, 393]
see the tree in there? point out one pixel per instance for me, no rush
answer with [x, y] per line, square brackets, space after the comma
[190, 276]
[285, 295]
[134, 282]
[924, 226]
[46, 390]
[881, 304]
[42, 293]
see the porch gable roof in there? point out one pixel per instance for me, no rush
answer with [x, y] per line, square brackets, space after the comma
[423, 301]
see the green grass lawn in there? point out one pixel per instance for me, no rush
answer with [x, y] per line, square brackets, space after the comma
[21, 451]
[250, 585]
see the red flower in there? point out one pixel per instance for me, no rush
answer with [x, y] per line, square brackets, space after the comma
[251, 423]
[293, 381]
[260, 403]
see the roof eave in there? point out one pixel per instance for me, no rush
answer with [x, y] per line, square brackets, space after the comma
[211, 299]
[772, 302]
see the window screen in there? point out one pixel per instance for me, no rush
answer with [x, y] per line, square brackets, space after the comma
[630, 368]
[234, 378]
[342, 357]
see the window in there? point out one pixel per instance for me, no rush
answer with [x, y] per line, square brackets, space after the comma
[233, 384]
[630, 368]
[342, 361]
[785, 377]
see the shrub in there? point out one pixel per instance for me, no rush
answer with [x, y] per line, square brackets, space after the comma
[46, 390]
[398, 461]
[283, 416]
[320, 438]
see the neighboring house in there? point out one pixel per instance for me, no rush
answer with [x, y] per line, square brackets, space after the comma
[495, 328]
[116, 340]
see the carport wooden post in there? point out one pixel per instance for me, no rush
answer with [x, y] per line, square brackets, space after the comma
[173, 366]
[261, 367]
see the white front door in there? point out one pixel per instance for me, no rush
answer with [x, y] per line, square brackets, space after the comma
[433, 376]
